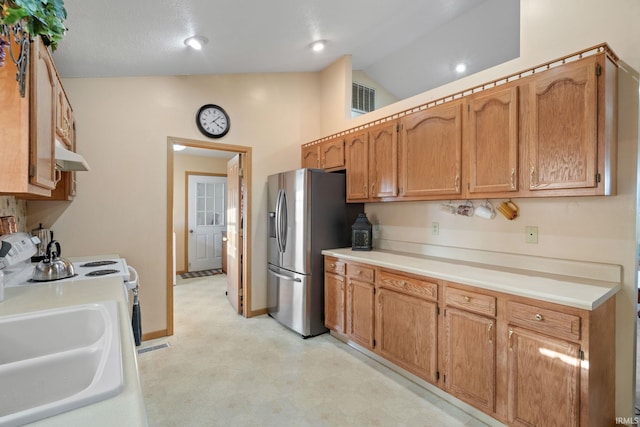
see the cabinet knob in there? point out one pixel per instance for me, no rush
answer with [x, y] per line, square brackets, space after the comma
[359, 271]
[333, 266]
[467, 299]
[538, 317]
[403, 283]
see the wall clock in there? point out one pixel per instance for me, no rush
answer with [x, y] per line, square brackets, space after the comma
[213, 121]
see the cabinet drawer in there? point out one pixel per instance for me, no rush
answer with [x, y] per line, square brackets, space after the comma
[408, 285]
[556, 323]
[334, 265]
[470, 301]
[361, 272]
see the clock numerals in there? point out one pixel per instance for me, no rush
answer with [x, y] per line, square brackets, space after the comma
[213, 121]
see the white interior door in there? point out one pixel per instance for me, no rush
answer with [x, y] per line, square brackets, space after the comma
[206, 221]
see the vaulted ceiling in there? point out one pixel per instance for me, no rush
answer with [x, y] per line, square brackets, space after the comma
[408, 46]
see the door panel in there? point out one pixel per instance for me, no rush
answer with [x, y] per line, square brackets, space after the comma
[287, 299]
[234, 234]
[207, 221]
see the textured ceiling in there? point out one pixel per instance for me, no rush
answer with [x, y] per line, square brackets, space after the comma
[386, 39]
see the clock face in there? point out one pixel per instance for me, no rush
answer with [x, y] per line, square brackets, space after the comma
[212, 121]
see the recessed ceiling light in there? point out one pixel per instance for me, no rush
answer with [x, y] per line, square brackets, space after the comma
[318, 45]
[461, 68]
[178, 147]
[196, 42]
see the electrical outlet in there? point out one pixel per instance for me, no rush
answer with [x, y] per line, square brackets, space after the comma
[531, 233]
[435, 228]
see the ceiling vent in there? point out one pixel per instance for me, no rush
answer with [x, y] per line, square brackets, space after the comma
[363, 98]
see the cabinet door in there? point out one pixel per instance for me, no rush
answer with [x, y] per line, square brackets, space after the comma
[562, 127]
[43, 99]
[544, 380]
[470, 356]
[406, 330]
[357, 167]
[383, 160]
[332, 154]
[334, 302]
[64, 116]
[491, 139]
[360, 312]
[431, 144]
[311, 157]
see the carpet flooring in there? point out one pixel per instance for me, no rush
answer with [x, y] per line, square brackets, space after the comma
[221, 369]
[203, 273]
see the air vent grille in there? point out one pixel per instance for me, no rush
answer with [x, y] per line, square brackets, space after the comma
[363, 98]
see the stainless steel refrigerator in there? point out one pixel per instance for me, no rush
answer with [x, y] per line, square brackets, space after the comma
[307, 213]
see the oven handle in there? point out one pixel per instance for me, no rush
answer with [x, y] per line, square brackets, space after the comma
[132, 283]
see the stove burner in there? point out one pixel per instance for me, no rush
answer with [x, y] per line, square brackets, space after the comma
[101, 272]
[98, 263]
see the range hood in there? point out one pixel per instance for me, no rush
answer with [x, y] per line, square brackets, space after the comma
[68, 160]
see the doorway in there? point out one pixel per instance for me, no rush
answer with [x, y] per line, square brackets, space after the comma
[228, 151]
[206, 220]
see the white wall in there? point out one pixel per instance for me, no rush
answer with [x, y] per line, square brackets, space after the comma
[123, 125]
[600, 229]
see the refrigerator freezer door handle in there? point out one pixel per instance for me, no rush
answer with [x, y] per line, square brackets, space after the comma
[282, 276]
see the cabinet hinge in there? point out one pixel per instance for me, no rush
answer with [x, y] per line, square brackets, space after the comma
[397, 128]
[374, 343]
[32, 170]
[598, 70]
[468, 108]
[581, 354]
[598, 177]
[240, 172]
[437, 375]
[438, 311]
[444, 379]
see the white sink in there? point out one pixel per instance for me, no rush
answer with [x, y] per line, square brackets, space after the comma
[57, 360]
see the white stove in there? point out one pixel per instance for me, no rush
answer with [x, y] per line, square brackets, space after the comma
[18, 268]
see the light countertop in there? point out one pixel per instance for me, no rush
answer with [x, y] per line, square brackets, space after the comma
[124, 409]
[566, 290]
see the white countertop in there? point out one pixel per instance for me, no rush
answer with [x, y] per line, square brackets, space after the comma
[566, 290]
[125, 409]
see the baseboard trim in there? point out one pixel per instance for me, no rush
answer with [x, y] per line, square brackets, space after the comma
[254, 313]
[155, 334]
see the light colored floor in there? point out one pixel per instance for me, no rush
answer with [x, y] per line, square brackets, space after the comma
[221, 369]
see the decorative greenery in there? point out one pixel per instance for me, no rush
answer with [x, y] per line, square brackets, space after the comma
[44, 18]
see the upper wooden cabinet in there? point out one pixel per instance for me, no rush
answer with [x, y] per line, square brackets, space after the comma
[311, 156]
[431, 152]
[552, 132]
[491, 142]
[569, 128]
[44, 83]
[358, 167]
[26, 162]
[332, 154]
[383, 160]
[64, 117]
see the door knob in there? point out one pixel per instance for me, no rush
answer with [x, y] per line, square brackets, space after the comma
[191, 231]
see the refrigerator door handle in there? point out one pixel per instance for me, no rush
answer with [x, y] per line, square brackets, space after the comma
[281, 220]
[284, 277]
[277, 221]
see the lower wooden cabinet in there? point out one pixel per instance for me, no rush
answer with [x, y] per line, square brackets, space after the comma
[522, 361]
[544, 380]
[470, 358]
[407, 332]
[334, 302]
[360, 312]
